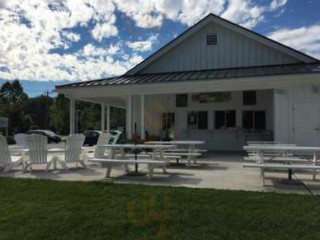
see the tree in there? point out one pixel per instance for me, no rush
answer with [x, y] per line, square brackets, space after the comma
[39, 110]
[59, 114]
[12, 102]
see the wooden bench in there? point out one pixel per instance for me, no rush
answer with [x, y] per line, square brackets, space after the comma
[110, 163]
[281, 167]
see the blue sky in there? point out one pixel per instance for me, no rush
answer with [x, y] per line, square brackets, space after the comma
[48, 42]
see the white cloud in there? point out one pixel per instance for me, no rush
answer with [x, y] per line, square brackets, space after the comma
[306, 39]
[32, 31]
[90, 50]
[104, 30]
[143, 46]
[244, 13]
[276, 4]
[151, 13]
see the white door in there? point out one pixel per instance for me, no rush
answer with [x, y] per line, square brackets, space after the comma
[306, 124]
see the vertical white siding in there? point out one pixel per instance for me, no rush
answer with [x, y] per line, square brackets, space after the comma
[284, 100]
[216, 139]
[233, 50]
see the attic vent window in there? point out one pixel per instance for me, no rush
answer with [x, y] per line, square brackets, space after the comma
[212, 39]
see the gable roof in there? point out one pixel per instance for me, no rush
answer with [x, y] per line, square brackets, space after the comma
[230, 25]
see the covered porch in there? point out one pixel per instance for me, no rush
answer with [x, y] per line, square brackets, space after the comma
[225, 108]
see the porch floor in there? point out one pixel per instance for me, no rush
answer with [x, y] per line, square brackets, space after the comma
[220, 170]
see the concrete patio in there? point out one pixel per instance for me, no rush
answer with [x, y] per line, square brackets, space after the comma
[219, 170]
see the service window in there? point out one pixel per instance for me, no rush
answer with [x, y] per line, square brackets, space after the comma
[254, 120]
[225, 119]
[198, 120]
[181, 100]
[260, 120]
[249, 98]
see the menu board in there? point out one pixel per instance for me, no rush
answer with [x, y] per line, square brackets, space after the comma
[212, 97]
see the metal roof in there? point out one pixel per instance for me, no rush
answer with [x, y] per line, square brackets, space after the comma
[214, 74]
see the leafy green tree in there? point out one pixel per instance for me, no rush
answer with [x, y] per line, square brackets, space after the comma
[89, 116]
[39, 110]
[59, 114]
[12, 102]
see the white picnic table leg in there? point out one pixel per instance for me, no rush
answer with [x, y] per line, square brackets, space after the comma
[315, 158]
[162, 159]
[123, 155]
[261, 160]
[108, 171]
[112, 153]
[193, 150]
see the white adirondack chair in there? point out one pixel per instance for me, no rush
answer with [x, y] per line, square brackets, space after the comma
[73, 153]
[38, 151]
[6, 160]
[20, 139]
[104, 138]
[99, 151]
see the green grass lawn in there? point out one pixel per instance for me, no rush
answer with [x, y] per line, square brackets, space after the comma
[42, 209]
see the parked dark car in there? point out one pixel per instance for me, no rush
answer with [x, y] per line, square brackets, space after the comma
[52, 137]
[91, 137]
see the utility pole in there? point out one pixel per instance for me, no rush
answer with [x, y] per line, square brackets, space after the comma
[47, 93]
[46, 110]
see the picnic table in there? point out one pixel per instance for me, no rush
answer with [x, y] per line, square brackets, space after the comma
[189, 147]
[283, 150]
[113, 148]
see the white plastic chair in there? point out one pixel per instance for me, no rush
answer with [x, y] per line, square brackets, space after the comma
[6, 160]
[73, 153]
[37, 151]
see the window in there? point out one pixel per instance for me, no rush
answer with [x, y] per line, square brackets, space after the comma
[203, 120]
[212, 39]
[225, 119]
[168, 120]
[198, 120]
[254, 120]
[249, 98]
[182, 100]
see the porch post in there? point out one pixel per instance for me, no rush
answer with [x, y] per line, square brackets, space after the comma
[72, 116]
[108, 117]
[142, 128]
[129, 117]
[103, 117]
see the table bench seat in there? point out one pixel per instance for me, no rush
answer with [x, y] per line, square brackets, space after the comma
[278, 159]
[185, 154]
[190, 155]
[157, 155]
[109, 163]
[186, 150]
[281, 166]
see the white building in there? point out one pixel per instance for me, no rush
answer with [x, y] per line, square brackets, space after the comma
[217, 82]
